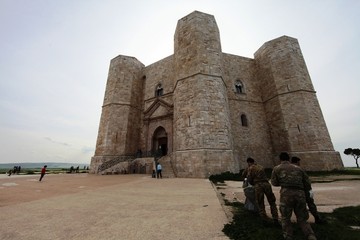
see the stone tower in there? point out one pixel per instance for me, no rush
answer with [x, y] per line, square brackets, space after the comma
[294, 115]
[201, 111]
[120, 123]
[202, 128]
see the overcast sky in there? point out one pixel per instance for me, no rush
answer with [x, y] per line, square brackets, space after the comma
[55, 57]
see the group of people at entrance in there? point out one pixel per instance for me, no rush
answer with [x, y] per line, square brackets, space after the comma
[295, 194]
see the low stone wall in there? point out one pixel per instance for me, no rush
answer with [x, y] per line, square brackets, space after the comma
[203, 163]
[121, 165]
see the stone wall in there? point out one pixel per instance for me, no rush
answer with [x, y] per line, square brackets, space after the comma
[254, 139]
[201, 163]
[160, 72]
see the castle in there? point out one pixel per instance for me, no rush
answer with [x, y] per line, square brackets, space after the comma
[201, 111]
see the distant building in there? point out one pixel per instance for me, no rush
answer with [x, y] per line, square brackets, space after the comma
[205, 112]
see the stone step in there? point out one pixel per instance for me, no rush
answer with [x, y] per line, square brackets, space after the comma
[167, 169]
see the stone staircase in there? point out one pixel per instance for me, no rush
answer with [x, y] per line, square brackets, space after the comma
[167, 166]
[141, 165]
[108, 165]
[130, 165]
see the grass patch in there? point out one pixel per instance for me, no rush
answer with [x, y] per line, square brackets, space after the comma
[334, 180]
[342, 223]
[347, 171]
[248, 225]
[220, 178]
[31, 171]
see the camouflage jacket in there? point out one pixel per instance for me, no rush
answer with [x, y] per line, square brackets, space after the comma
[288, 175]
[256, 174]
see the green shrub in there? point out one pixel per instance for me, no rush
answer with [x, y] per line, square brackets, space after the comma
[226, 176]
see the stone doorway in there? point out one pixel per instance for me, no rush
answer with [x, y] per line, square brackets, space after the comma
[160, 142]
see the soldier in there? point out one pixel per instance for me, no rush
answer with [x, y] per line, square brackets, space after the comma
[256, 176]
[309, 198]
[294, 182]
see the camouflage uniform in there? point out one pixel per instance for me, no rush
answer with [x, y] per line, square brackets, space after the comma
[294, 182]
[309, 200]
[312, 207]
[257, 177]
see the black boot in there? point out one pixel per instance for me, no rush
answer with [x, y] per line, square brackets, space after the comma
[319, 220]
[277, 223]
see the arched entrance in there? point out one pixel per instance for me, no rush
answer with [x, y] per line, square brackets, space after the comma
[160, 142]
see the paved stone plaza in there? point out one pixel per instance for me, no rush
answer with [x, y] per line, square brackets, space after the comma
[82, 206]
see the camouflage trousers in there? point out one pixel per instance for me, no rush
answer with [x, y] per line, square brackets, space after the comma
[294, 200]
[261, 189]
[311, 205]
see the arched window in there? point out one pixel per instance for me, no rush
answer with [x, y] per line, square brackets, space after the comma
[239, 87]
[244, 121]
[159, 90]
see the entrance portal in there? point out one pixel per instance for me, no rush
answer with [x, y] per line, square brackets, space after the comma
[160, 146]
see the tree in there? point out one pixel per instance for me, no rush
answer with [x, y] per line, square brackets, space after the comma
[355, 153]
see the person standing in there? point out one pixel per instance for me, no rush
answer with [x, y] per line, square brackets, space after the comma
[158, 170]
[294, 182]
[309, 197]
[256, 176]
[43, 171]
[153, 175]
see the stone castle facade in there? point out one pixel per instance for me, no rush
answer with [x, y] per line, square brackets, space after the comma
[203, 111]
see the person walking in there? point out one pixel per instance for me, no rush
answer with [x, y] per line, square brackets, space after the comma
[256, 176]
[43, 171]
[294, 183]
[309, 197]
[158, 170]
